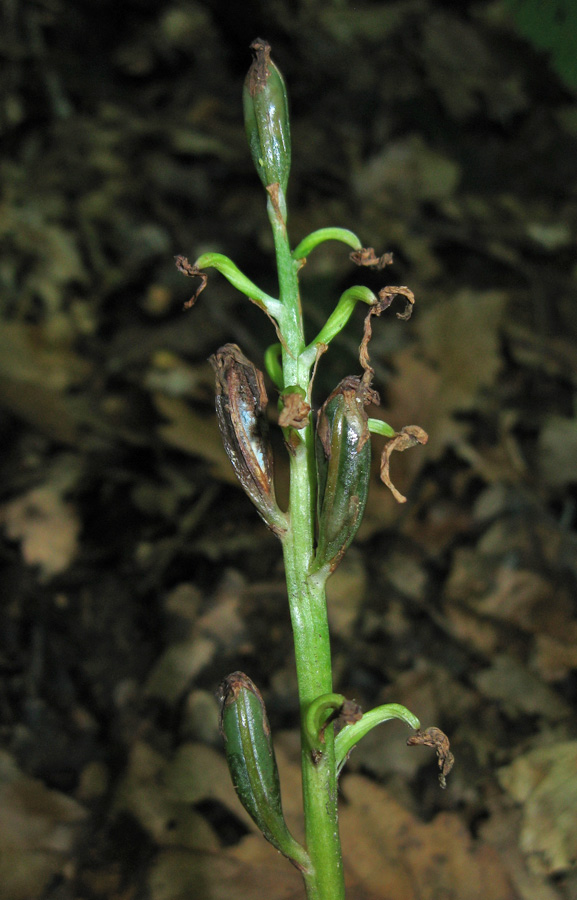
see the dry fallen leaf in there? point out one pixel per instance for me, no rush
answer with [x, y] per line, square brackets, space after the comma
[545, 782]
[518, 690]
[178, 875]
[47, 527]
[192, 433]
[557, 451]
[38, 830]
[390, 853]
[456, 356]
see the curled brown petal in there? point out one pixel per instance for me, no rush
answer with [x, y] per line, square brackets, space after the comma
[434, 737]
[295, 411]
[184, 266]
[366, 256]
[385, 297]
[409, 436]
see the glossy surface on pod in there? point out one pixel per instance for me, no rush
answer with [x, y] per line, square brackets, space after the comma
[241, 401]
[343, 453]
[251, 760]
[266, 117]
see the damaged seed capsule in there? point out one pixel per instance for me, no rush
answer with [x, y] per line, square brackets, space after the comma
[266, 117]
[252, 763]
[343, 452]
[241, 401]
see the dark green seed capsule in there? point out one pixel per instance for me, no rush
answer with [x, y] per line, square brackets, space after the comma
[343, 453]
[266, 117]
[252, 763]
[241, 401]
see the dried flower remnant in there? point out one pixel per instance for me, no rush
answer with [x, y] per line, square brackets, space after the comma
[409, 436]
[184, 266]
[385, 297]
[438, 740]
[241, 401]
[349, 713]
[366, 256]
[295, 411]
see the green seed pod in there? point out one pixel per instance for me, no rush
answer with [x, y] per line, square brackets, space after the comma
[343, 453]
[241, 401]
[266, 117]
[252, 763]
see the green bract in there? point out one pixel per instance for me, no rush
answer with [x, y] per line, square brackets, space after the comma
[266, 118]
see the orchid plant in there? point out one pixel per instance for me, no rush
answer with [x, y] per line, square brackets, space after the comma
[330, 468]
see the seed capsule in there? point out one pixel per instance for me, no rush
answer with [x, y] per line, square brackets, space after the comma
[266, 117]
[252, 763]
[241, 401]
[343, 453]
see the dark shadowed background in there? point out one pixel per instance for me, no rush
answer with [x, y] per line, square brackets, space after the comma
[135, 574]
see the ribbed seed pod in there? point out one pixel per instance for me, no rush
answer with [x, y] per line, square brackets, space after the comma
[266, 117]
[252, 763]
[343, 453]
[241, 401]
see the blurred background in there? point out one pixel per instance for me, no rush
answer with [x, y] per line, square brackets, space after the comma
[135, 574]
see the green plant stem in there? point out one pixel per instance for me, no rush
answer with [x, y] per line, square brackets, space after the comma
[306, 595]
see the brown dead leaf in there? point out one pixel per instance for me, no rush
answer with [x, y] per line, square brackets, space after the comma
[407, 171]
[165, 813]
[178, 875]
[496, 592]
[47, 527]
[456, 356]
[177, 666]
[558, 451]
[545, 782]
[52, 412]
[501, 829]
[192, 433]
[390, 853]
[345, 593]
[28, 355]
[38, 830]
[518, 690]
[554, 659]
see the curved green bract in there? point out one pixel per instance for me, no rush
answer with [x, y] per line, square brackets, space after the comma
[317, 714]
[338, 319]
[377, 426]
[315, 238]
[352, 734]
[239, 280]
[273, 365]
